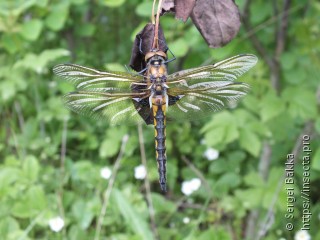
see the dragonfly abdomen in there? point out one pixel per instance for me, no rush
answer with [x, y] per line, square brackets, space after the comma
[160, 138]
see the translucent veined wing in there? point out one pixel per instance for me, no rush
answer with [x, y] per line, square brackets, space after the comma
[226, 70]
[114, 108]
[197, 92]
[114, 96]
[89, 79]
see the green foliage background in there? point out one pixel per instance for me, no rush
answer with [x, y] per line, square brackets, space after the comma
[38, 183]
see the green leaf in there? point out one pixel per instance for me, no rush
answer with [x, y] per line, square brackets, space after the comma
[86, 30]
[108, 148]
[82, 213]
[250, 142]
[8, 225]
[31, 204]
[317, 125]
[30, 168]
[315, 163]
[161, 204]
[227, 182]
[222, 129]
[7, 90]
[271, 106]
[38, 63]
[15, 8]
[214, 233]
[12, 42]
[218, 166]
[31, 29]
[58, 16]
[302, 102]
[254, 179]
[296, 75]
[144, 9]
[8, 176]
[77, 2]
[288, 60]
[180, 47]
[250, 198]
[133, 219]
[42, 3]
[112, 3]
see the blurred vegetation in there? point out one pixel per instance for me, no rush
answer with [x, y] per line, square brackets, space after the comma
[51, 158]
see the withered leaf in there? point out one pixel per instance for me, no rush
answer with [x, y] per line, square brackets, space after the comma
[184, 8]
[217, 20]
[181, 8]
[144, 39]
[167, 6]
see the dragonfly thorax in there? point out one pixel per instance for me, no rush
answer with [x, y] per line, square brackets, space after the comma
[157, 74]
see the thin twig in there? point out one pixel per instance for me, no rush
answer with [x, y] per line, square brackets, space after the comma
[264, 162]
[62, 170]
[21, 124]
[17, 106]
[30, 227]
[106, 195]
[254, 39]
[152, 16]
[147, 184]
[282, 30]
[155, 44]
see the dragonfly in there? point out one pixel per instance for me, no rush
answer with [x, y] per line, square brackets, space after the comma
[155, 96]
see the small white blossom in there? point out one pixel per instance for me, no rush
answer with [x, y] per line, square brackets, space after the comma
[186, 220]
[211, 154]
[189, 187]
[140, 172]
[302, 235]
[105, 173]
[56, 224]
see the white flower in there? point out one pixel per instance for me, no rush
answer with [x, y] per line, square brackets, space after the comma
[211, 154]
[140, 172]
[105, 172]
[302, 235]
[186, 220]
[189, 187]
[56, 224]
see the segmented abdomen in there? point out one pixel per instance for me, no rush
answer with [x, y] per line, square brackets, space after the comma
[160, 138]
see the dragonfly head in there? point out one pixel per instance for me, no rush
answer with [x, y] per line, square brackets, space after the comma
[155, 53]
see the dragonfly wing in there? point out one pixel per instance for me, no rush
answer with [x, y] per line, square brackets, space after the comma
[194, 104]
[197, 92]
[89, 79]
[226, 70]
[114, 108]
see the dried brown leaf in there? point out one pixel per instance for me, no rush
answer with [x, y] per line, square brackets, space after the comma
[167, 6]
[184, 8]
[217, 20]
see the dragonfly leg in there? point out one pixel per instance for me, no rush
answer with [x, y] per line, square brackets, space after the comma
[140, 45]
[172, 59]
